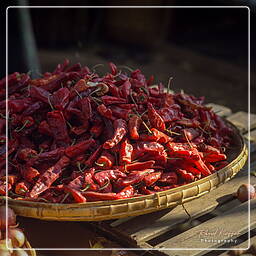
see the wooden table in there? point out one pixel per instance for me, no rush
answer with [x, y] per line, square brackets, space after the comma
[216, 220]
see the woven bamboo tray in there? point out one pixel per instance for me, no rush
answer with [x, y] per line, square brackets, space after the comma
[103, 210]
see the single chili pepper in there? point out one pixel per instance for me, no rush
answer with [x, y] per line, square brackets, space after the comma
[55, 81]
[186, 176]
[79, 130]
[182, 150]
[107, 175]
[86, 108]
[93, 157]
[139, 165]
[210, 167]
[220, 165]
[190, 134]
[58, 127]
[106, 160]
[169, 178]
[31, 109]
[26, 154]
[126, 192]
[143, 147]
[125, 154]
[29, 173]
[134, 125]
[155, 119]
[151, 178]
[189, 168]
[156, 136]
[22, 188]
[77, 183]
[89, 183]
[96, 130]
[189, 123]
[109, 100]
[53, 155]
[39, 94]
[60, 98]
[17, 106]
[125, 89]
[79, 148]
[144, 190]
[48, 177]
[97, 196]
[80, 86]
[12, 179]
[133, 178]
[127, 106]
[120, 129]
[44, 128]
[22, 82]
[202, 167]
[4, 187]
[113, 68]
[78, 197]
[114, 90]
[105, 112]
[120, 112]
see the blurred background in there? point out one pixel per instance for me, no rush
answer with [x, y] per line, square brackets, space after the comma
[205, 50]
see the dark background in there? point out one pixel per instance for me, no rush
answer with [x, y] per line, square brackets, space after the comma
[204, 50]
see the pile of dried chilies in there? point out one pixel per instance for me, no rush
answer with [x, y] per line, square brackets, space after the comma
[75, 136]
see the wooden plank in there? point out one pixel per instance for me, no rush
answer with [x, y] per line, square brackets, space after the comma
[220, 110]
[240, 119]
[214, 232]
[252, 137]
[245, 244]
[143, 228]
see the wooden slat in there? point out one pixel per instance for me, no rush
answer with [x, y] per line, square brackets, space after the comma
[224, 227]
[240, 119]
[252, 137]
[220, 110]
[242, 245]
[143, 228]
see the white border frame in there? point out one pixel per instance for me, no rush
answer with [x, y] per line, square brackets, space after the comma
[249, 121]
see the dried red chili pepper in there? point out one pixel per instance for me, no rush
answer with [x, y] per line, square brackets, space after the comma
[120, 129]
[22, 188]
[155, 119]
[48, 177]
[134, 125]
[106, 160]
[109, 100]
[133, 178]
[156, 136]
[151, 178]
[125, 154]
[107, 175]
[58, 127]
[79, 148]
[105, 112]
[169, 178]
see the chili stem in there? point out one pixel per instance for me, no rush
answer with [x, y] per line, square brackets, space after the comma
[49, 101]
[22, 127]
[169, 84]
